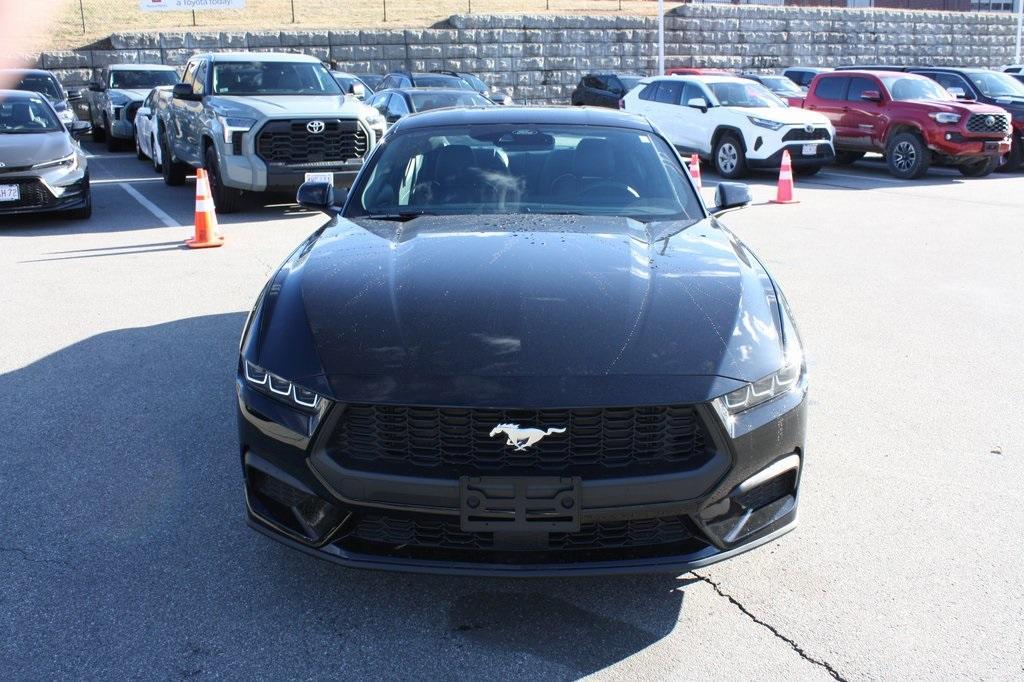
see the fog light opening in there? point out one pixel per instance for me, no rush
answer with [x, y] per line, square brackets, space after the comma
[300, 513]
[755, 503]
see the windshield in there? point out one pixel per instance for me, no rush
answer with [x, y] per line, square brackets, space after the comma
[440, 81]
[997, 84]
[346, 82]
[27, 115]
[474, 82]
[273, 78]
[372, 80]
[44, 85]
[746, 95]
[907, 89]
[629, 82]
[422, 101]
[781, 84]
[141, 80]
[503, 169]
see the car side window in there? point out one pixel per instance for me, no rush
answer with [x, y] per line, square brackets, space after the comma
[387, 82]
[859, 85]
[669, 93]
[831, 88]
[190, 72]
[615, 85]
[397, 106]
[199, 84]
[649, 92]
[691, 91]
[591, 82]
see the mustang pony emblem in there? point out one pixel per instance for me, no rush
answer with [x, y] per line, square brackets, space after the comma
[519, 438]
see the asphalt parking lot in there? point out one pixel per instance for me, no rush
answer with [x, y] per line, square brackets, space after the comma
[125, 553]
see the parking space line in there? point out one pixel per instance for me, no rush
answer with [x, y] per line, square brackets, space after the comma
[150, 206]
[115, 181]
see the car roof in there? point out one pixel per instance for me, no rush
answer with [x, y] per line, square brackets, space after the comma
[588, 116]
[877, 74]
[140, 67]
[816, 69]
[433, 91]
[28, 72]
[259, 57]
[962, 69]
[20, 94]
[698, 78]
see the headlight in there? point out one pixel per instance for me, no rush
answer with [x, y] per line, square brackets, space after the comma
[945, 117]
[232, 124]
[762, 390]
[280, 388]
[70, 162]
[765, 123]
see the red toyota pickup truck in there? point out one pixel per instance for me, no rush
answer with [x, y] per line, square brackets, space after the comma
[909, 119]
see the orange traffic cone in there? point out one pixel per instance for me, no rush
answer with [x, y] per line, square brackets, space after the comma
[784, 193]
[206, 217]
[695, 170]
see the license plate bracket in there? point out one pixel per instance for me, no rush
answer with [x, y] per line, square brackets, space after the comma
[10, 192]
[991, 146]
[809, 149]
[523, 504]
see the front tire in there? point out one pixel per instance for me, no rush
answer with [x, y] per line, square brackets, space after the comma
[1015, 159]
[155, 158]
[907, 157]
[139, 154]
[979, 169]
[85, 211]
[225, 199]
[730, 161]
[846, 158]
[99, 133]
[173, 171]
[113, 144]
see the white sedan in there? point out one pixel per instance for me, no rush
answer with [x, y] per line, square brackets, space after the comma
[146, 144]
[736, 123]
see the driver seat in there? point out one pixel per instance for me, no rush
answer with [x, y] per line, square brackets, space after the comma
[21, 115]
[593, 162]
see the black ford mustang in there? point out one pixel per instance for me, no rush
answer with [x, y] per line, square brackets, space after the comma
[523, 347]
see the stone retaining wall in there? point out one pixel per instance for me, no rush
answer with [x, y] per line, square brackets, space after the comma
[540, 58]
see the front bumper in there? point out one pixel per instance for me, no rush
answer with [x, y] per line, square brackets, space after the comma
[40, 196]
[956, 146]
[672, 522]
[823, 154]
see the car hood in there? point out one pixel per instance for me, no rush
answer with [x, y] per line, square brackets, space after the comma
[787, 115]
[134, 94]
[964, 108]
[530, 304]
[285, 106]
[25, 150]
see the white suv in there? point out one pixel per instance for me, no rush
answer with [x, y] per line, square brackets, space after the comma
[735, 122]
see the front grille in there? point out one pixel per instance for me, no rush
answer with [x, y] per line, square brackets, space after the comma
[444, 533]
[290, 143]
[131, 110]
[451, 442]
[33, 194]
[801, 134]
[988, 123]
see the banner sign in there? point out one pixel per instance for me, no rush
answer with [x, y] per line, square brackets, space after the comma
[189, 5]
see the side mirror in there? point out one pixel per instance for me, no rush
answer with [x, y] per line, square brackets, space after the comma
[730, 195]
[871, 96]
[183, 91]
[358, 90]
[96, 86]
[698, 103]
[78, 128]
[321, 196]
[959, 93]
[143, 111]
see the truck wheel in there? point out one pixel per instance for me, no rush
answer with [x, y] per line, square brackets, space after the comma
[173, 171]
[99, 133]
[139, 154]
[113, 144]
[85, 211]
[907, 157]
[846, 158]
[979, 169]
[225, 199]
[728, 156]
[154, 145]
[1015, 159]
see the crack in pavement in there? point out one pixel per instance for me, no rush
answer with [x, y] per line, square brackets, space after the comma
[28, 557]
[793, 645]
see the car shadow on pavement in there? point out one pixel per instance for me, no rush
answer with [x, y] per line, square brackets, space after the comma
[125, 546]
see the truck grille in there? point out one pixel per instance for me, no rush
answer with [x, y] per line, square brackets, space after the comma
[33, 194]
[290, 143]
[444, 533]
[988, 123]
[798, 134]
[452, 442]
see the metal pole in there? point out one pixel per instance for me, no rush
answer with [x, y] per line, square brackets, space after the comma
[293, 11]
[193, 17]
[385, 10]
[81, 10]
[661, 37]
[1020, 24]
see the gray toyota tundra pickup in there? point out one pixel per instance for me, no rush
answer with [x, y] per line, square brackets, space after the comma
[261, 122]
[114, 99]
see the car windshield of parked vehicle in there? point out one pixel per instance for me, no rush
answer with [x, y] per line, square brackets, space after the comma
[503, 169]
[422, 101]
[26, 116]
[141, 80]
[44, 85]
[746, 95]
[346, 82]
[781, 84]
[629, 82]
[441, 81]
[273, 78]
[371, 80]
[997, 84]
[907, 89]
[474, 82]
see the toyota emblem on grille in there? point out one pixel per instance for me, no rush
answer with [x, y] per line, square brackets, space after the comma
[809, 128]
[520, 438]
[315, 127]
[990, 121]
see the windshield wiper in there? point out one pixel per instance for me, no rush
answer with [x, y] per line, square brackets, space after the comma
[403, 217]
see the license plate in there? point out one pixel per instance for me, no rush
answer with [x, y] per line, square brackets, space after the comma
[991, 146]
[810, 149]
[321, 177]
[10, 192]
[525, 504]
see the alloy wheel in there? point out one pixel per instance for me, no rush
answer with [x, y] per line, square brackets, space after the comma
[727, 157]
[904, 156]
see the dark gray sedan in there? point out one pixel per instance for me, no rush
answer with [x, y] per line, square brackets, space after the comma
[42, 167]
